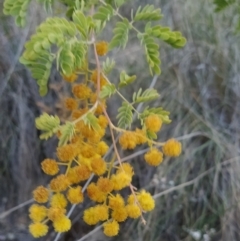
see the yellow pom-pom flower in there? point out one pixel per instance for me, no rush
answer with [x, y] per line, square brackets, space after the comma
[70, 78]
[116, 202]
[133, 210]
[95, 194]
[37, 213]
[127, 168]
[153, 157]
[172, 148]
[75, 195]
[41, 194]
[90, 216]
[128, 140]
[120, 180]
[58, 200]
[62, 224]
[55, 213]
[102, 48]
[102, 212]
[153, 123]
[102, 148]
[60, 183]
[141, 136]
[50, 167]
[98, 165]
[146, 200]
[111, 228]
[38, 229]
[71, 104]
[120, 214]
[81, 91]
[67, 152]
[105, 184]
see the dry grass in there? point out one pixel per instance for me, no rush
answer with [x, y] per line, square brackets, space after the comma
[199, 85]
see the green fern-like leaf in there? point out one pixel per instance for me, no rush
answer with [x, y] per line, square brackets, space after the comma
[163, 114]
[148, 13]
[222, 4]
[126, 79]
[152, 53]
[48, 124]
[18, 9]
[120, 37]
[108, 65]
[38, 55]
[147, 95]
[107, 91]
[91, 121]
[125, 115]
[67, 133]
[104, 13]
[174, 38]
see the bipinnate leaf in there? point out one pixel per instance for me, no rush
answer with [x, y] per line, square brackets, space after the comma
[147, 95]
[125, 115]
[49, 124]
[66, 133]
[151, 52]
[108, 65]
[126, 79]
[148, 13]
[120, 36]
[107, 91]
[91, 121]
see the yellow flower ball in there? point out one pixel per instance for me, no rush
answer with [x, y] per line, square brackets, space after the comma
[153, 157]
[75, 195]
[116, 202]
[153, 123]
[120, 180]
[127, 168]
[133, 211]
[98, 165]
[38, 229]
[105, 184]
[128, 140]
[120, 214]
[172, 148]
[55, 213]
[111, 228]
[81, 91]
[37, 213]
[102, 212]
[70, 78]
[41, 194]
[58, 200]
[60, 183]
[95, 194]
[101, 48]
[50, 166]
[67, 153]
[71, 104]
[146, 200]
[90, 216]
[62, 224]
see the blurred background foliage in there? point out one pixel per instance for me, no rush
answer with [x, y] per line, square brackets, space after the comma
[197, 194]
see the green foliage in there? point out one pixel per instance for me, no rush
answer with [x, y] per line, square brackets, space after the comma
[104, 13]
[151, 52]
[108, 65]
[148, 13]
[120, 37]
[38, 55]
[163, 114]
[107, 91]
[49, 124]
[125, 115]
[91, 121]
[147, 95]
[222, 4]
[174, 38]
[126, 79]
[18, 9]
[67, 131]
